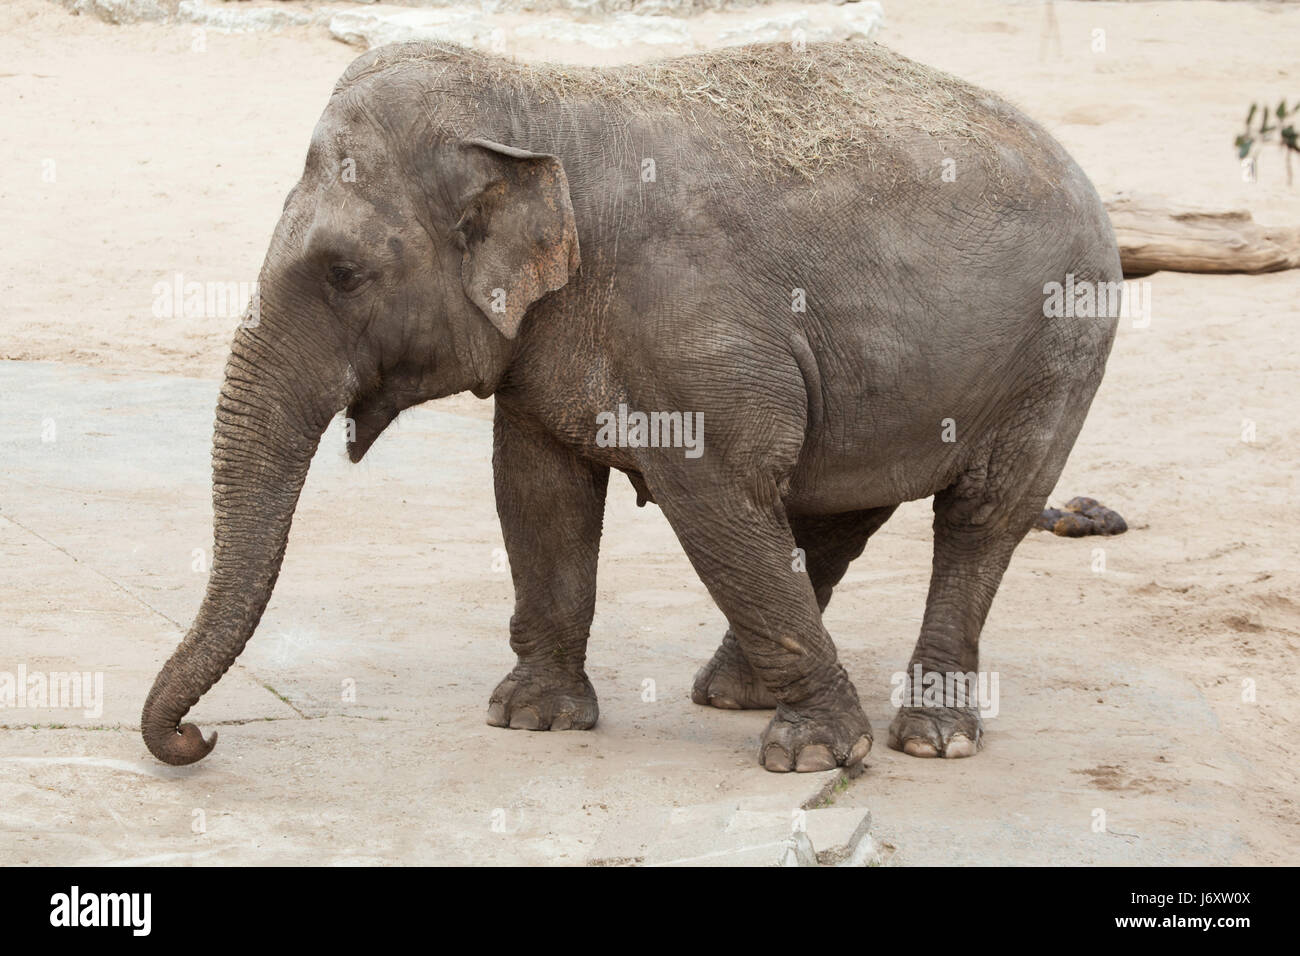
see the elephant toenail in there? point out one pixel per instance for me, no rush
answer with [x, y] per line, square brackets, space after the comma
[920, 748]
[776, 759]
[525, 718]
[959, 746]
[815, 758]
[859, 751]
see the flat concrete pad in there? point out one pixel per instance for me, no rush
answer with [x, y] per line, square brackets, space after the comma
[392, 591]
[352, 728]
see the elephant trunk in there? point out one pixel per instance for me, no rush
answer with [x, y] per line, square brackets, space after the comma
[268, 426]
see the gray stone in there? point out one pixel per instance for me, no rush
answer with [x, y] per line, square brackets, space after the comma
[860, 21]
[752, 832]
[118, 11]
[622, 29]
[241, 18]
[384, 23]
[867, 853]
[798, 850]
[836, 832]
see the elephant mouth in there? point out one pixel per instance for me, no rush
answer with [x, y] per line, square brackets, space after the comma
[371, 411]
[369, 415]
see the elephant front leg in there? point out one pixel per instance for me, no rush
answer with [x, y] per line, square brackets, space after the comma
[551, 505]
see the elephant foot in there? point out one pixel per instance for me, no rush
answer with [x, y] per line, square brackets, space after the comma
[794, 740]
[937, 731]
[728, 682]
[527, 700]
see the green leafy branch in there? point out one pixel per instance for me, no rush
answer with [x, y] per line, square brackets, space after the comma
[1279, 120]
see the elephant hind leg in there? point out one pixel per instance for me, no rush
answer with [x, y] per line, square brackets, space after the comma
[978, 522]
[728, 682]
[737, 536]
[829, 544]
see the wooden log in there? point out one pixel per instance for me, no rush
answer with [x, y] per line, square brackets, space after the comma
[1154, 237]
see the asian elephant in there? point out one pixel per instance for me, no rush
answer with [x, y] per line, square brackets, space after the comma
[781, 288]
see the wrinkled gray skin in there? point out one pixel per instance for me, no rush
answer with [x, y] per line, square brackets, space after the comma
[925, 303]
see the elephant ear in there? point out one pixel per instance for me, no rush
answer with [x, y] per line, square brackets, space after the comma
[517, 234]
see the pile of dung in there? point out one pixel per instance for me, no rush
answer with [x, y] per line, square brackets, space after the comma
[1080, 517]
[804, 110]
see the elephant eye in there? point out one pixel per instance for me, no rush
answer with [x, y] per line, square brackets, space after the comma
[346, 276]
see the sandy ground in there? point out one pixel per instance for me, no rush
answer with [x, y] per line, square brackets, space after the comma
[1121, 690]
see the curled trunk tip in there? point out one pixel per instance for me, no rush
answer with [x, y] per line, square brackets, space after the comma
[177, 745]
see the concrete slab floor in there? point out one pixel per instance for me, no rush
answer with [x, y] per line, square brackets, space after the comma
[393, 587]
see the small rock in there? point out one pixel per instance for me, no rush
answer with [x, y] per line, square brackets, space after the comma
[382, 24]
[118, 11]
[748, 832]
[620, 30]
[240, 18]
[860, 22]
[663, 7]
[798, 851]
[835, 832]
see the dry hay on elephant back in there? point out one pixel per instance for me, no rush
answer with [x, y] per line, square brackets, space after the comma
[802, 110]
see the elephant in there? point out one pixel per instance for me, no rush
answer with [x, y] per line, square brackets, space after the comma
[783, 288]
